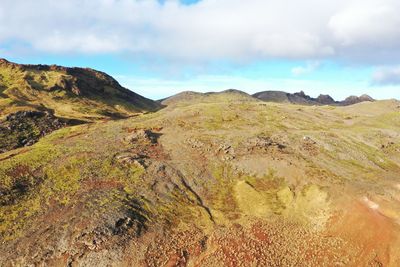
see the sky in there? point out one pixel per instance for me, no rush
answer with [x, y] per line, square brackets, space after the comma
[161, 47]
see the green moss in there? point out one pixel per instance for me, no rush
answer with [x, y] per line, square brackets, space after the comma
[311, 206]
[52, 88]
[221, 190]
[285, 196]
[55, 183]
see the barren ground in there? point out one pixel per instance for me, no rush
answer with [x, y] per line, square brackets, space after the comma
[216, 183]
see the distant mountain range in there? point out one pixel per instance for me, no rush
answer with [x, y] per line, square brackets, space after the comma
[299, 98]
[303, 99]
[190, 96]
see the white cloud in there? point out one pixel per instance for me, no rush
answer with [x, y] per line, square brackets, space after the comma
[309, 68]
[386, 76]
[372, 22]
[365, 30]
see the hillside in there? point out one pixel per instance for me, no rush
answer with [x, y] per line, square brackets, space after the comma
[300, 98]
[273, 96]
[38, 99]
[189, 97]
[213, 182]
[76, 93]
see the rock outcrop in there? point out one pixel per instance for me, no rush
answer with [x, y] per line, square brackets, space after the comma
[304, 99]
[24, 128]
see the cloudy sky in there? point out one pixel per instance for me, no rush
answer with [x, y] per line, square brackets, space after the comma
[158, 48]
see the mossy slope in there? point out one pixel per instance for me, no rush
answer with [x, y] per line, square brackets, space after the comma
[209, 184]
[77, 93]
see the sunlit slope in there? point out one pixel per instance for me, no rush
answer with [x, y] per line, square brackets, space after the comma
[77, 93]
[221, 182]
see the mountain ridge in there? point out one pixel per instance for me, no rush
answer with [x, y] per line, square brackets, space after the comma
[89, 94]
[217, 183]
[189, 97]
[299, 98]
[302, 98]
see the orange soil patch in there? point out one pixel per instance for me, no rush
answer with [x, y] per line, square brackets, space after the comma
[376, 236]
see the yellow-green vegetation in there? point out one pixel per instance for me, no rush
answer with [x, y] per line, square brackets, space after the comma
[310, 206]
[251, 201]
[38, 99]
[52, 171]
[189, 98]
[263, 197]
[234, 174]
[221, 190]
[258, 196]
[82, 94]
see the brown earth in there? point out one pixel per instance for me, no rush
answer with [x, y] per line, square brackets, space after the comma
[215, 183]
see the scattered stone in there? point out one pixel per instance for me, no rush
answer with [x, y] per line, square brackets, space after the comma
[263, 143]
[131, 159]
[228, 158]
[25, 128]
[194, 143]
[390, 147]
[143, 135]
[225, 149]
[122, 225]
[308, 140]
[310, 146]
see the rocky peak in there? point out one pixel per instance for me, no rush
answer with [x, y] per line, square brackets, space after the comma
[355, 99]
[351, 100]
[325, 99]
[365, 97]
[301, 94]
[304, 99]
[4, 61]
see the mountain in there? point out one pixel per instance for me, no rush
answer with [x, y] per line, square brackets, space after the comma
[184, 96]
[273, 96]
[190, 97]
[325, 100]
[38, 99]
[78, 93]
[220, 180]
[351, 100]
[302, 99]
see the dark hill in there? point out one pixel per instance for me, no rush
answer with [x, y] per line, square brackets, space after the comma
[79, 93]
[303, 99]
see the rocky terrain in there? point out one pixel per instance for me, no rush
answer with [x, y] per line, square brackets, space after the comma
[24, 128]
[77, 93]
[217, 179]
[303, 99]
[299, 98]
[38, 99]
